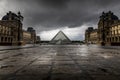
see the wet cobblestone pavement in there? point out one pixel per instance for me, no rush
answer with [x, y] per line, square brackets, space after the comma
[70, 62]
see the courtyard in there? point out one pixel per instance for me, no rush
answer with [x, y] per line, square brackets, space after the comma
[60, 62]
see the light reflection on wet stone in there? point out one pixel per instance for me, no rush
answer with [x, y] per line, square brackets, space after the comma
[60, 62]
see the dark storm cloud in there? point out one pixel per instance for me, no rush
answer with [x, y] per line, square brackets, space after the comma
[55, 3]
[60, 13]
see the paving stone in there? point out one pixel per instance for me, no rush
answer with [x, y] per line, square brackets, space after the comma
[60, 62]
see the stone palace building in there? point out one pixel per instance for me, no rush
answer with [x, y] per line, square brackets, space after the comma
[108, 32]
[11, 32]
[91, 35]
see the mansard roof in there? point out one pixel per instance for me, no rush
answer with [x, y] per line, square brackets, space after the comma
[109, 15]
[12, 16]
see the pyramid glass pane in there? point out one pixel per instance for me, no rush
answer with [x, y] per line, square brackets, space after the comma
[60, 38]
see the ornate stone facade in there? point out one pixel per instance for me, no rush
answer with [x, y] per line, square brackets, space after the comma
[5, 35]
[105, 24]
[108, 32]
[114, 35]
[33, 34]
[27, 37]
[11, 28]
[91, 35]
[11, 32]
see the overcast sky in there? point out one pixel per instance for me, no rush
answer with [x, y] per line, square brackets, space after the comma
[50, 16]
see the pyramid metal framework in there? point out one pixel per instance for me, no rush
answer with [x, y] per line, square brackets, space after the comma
[60, 38]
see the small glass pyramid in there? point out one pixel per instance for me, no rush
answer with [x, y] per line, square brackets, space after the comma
[60, 38]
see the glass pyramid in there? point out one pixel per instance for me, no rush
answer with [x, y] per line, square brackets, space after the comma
[60, 38]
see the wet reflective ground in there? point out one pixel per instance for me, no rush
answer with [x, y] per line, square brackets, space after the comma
[67, 62]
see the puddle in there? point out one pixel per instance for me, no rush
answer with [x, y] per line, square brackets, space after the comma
[5, 66]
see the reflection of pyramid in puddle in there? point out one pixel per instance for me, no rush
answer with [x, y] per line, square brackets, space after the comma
[60, 38]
